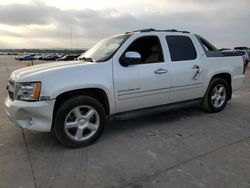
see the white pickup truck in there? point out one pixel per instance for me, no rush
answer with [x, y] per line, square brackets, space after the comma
[124, 76]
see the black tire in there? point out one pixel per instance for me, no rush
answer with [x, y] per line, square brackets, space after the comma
[207, 103]
[63, 112]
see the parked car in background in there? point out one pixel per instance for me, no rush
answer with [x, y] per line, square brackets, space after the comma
[25, 57]
[68, 58]
[224, 49]
[38, 57]
[243, 48]
[50, 57]
[125, 76]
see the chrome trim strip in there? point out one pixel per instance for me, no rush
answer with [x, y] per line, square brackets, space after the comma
[160, 89]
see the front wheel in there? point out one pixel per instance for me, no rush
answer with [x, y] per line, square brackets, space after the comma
[216, 96]
[79, 121]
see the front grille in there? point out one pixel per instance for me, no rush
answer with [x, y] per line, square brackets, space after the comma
[11, 86]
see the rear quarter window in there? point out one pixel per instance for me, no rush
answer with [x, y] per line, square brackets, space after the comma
[181, 48]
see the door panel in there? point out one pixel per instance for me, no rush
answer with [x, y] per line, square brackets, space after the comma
[186, 69]
[185, 86]
[145, 84]
[138, 86]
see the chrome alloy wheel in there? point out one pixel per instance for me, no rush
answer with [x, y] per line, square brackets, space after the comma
[218, 97]
[81, 123]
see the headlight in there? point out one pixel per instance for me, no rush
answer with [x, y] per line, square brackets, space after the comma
[27, 91]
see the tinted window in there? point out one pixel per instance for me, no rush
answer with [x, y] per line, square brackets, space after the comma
[149, 48]
[181, 48]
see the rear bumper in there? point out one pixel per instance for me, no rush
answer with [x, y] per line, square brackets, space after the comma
[36, 116]
[237, 82]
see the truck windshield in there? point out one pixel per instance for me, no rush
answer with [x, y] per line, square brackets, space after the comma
[105, 49]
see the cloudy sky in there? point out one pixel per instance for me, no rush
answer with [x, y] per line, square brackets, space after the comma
[48, 23]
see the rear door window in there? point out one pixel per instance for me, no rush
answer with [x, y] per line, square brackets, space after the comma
[181, 48]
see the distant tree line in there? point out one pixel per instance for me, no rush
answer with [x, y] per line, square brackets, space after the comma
[42, 51]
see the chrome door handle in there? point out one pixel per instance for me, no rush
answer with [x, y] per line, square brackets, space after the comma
[196, 67]
[198, 72]
[161, 71]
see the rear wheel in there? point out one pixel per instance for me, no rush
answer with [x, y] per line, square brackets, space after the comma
[79, 121]
[216, 96]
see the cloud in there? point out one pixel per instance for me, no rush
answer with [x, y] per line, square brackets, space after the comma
[223, 22]
[9, 33]
[22, 14]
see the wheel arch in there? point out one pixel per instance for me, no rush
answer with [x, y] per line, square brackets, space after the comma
[96, 93]
[228, 78]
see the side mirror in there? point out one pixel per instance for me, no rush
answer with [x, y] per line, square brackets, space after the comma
[131, 58]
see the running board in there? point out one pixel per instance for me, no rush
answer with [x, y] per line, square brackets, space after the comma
[154, 110]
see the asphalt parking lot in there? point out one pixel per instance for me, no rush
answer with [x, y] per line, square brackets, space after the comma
[182, 148]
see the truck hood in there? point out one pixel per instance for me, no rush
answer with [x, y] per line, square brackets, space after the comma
[60, 77]
[25, 74]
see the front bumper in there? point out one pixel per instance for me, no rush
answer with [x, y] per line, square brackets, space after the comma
[36, 116]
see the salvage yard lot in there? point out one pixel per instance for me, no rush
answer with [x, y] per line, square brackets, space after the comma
[182, 148]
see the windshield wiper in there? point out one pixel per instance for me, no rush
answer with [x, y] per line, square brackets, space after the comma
[88, 59]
